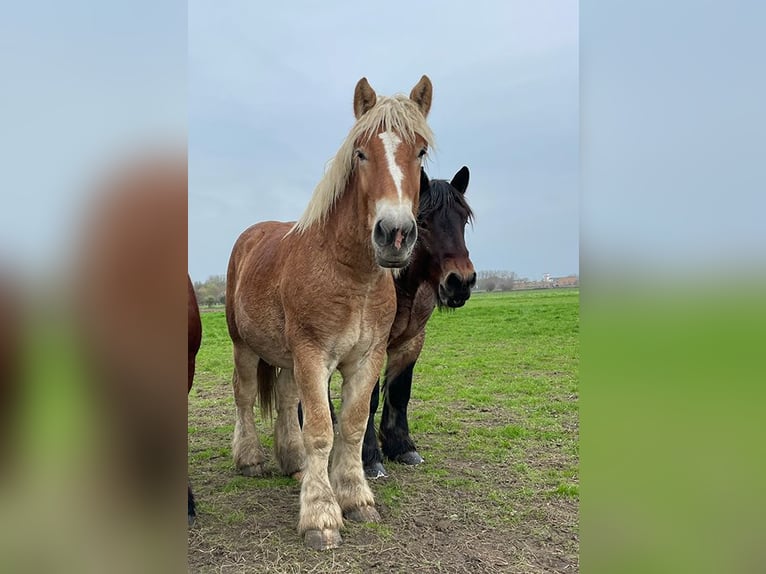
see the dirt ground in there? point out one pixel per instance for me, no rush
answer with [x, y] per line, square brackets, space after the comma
[444, 516]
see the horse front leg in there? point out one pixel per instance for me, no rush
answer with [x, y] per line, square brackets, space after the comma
[395, 437]
[372, 457]
[332, 409]
[348, 478]
[320, 518]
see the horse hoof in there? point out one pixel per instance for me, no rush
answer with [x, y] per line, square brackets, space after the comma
[322, 539]
[363, 514]
[252, 470]
[192, 520]
[297, 475]
[411, 458]
[375, 470]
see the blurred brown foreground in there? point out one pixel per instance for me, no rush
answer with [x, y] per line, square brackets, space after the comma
[93, 385]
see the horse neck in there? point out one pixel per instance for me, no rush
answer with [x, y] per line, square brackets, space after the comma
[417, 273]
[346, 224]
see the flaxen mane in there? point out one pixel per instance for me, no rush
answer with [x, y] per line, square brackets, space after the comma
[398, 114]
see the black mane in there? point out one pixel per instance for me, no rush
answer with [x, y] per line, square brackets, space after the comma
[440, 197]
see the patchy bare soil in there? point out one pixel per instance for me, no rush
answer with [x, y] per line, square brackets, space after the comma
[449, 523]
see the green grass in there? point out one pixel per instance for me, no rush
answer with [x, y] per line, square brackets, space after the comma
[389, 494]
[244, 482]
[494, 411]
[494, 379]
[567, 490]
[382, 530]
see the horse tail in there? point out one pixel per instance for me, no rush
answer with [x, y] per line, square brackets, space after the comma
[267, 388]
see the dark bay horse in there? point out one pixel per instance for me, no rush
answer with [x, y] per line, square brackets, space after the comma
[195, 339]
[304, 299]
[440, 274]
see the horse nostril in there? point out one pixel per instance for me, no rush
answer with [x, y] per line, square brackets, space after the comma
[410, 233]
[454, 282]
[399, 236]
[458, 283]
[379, 234]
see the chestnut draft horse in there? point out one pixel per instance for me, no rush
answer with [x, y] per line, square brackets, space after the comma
[310, 297]
[195, 339]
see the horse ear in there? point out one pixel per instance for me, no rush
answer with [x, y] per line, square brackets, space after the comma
[364, 98]
[421, 94]
[424, 181]
[460, 181]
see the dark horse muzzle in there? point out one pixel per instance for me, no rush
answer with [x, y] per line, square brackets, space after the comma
[455, 288]
[393, 239]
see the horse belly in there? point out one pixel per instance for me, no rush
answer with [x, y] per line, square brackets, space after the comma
[263, 331]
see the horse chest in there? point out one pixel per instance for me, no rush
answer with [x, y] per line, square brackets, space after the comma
[364, 328]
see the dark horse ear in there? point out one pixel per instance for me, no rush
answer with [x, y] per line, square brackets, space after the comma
[421, 94]
[424, 181]
[460, 181]
[364, 98]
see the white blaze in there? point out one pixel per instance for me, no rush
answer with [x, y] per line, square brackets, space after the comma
[391, 141]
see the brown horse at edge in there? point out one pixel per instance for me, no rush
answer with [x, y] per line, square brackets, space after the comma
[194, 334]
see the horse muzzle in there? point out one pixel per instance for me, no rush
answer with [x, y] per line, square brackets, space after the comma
[393, 241]
[455, 289]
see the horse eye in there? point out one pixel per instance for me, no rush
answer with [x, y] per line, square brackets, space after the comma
[360, 154]
[423, 152]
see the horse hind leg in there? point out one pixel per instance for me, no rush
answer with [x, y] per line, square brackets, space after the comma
[246, 447]
[288, 440]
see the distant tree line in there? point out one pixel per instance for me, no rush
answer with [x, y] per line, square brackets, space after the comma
[211, 291]
[496, 280]
[508, 281]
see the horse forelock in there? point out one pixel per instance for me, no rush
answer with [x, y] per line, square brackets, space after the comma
[440, 198]
[398, 114]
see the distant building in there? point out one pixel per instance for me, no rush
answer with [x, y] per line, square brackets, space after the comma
[568, 281]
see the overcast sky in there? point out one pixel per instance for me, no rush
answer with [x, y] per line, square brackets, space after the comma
[84, 85]
[270, 101]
